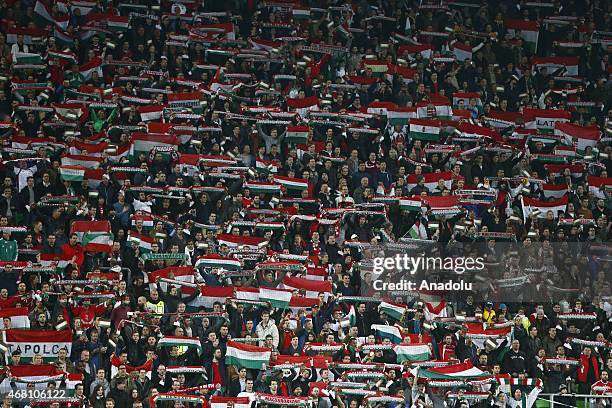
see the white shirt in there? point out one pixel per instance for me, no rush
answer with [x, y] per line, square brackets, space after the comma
[23, 174]
[15, 50]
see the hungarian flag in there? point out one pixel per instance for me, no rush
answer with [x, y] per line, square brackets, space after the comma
[45, 17]
[18, 315]
[296, 134]
[277, 297]
[530, 205]
[144, 241]
[115, 363]
[77, 173]
[217, 261]
[439, 110]
[179, 273]
[310, 288]
[501, 120]
[400, 116]
[262, 187]
[598, 185]
[210, 295]
[552, 64]
[95, 236]
[265, 166]
[300, 13]
[461, 371]
[143, 142]
[292, 183]
[189, 163]
[462, 51]
[554, 190]
[44, 342]
[418, 230]
[556, 170]
[406, 75]
[234, 241]
[477, 132]
[74, 173]
[88, 162]
[180, 341]
[94, 65]
[84, 6]
[30, 35]
[580, 136]
[304, 105]
[147, 220]
[84, 149]
[410, 203]
[431, 180]
[377, 67]
[425, 129]
[59, 262]
[27, 58]
[412, 352]
[247, 355]
[117, 23]
[411, 50]
[381, 108]
[122, 151]
[251, 294]
[480, 335]
[63, 38]
[217, 401]
[544, 120]
[565, 151]
[388, 332]
[442, 205]
[435, 305]
[150, 112]
[529, 31]
[465, 97]
[393, 310]
[297, 303]
[39, 375]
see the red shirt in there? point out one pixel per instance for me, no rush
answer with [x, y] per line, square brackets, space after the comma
[446, 351]
[217, 379]
[88, 314]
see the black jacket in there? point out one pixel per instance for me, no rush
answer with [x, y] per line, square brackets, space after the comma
[514, 362]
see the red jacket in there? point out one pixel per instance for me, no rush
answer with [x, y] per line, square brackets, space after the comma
[584, 364]
[74, 251]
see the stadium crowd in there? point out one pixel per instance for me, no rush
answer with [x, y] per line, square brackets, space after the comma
[194, 195]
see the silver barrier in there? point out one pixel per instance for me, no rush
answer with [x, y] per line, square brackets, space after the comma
[589, 399]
